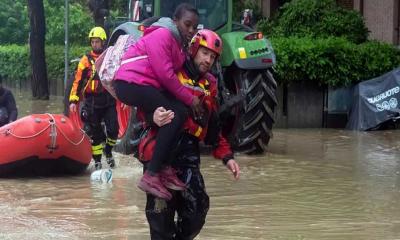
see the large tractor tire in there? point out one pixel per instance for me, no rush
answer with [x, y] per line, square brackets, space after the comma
[250, 125]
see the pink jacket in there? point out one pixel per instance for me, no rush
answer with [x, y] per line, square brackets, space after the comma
[165, 57]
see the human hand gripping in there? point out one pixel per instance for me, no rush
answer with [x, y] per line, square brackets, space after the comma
[197, 108]
[161, 116]
[233, 166]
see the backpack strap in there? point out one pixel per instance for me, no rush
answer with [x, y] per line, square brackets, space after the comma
[93, 66]
[134, 59]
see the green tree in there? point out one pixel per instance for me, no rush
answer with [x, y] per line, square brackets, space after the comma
[15, 23]
[80, 22]
[316, 18]
[15, 27]
[40, 88]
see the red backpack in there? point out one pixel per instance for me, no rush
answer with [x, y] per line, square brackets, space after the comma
[146, 145]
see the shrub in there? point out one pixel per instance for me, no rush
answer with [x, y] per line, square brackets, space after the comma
[333, 62]
[17, 66]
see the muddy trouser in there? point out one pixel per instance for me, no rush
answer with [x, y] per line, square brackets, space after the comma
[93, 115]
[148, 99]
[191, 205]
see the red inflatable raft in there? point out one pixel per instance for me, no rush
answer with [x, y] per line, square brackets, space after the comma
[43, 144]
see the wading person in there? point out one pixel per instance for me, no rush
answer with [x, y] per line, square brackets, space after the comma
[8, 108]
[191, 205]
[98, 104]
[147, 79]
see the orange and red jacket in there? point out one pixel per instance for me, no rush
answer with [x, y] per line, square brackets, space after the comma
[86, 78]
[205, 88]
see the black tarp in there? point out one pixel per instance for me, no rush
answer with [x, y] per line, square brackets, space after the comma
[375, 102]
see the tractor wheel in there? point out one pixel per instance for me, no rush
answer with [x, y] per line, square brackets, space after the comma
[129, 143]
[252, 119]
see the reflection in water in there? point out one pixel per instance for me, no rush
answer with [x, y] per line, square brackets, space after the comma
[313, 184]
[27, 106]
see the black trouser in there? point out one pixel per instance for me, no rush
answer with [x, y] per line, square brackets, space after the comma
[148, 99]
[98, 109]
[191, 205]
[3, 116]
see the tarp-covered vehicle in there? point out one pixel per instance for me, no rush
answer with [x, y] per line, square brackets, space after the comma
[376, 102]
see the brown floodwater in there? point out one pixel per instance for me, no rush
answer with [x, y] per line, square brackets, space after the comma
[312, 184]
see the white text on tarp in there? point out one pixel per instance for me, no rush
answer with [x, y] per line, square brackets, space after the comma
[384, 95]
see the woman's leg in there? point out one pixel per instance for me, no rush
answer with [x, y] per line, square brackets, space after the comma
[148, 99]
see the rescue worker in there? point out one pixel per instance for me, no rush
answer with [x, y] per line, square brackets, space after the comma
[98, 104]
[192, 204]
[8, 108]
[146, 79]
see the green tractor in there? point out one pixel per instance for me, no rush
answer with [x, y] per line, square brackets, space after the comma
[246, 86]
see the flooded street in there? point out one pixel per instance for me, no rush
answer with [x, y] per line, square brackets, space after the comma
[312, 184]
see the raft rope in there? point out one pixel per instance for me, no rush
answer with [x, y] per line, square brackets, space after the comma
[53, 133]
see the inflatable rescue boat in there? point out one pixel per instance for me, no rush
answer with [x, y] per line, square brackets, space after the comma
[43, 144]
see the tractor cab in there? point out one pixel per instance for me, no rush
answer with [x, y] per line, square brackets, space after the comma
[213, 14]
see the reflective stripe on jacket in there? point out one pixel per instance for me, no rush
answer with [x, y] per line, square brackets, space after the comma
[206, 89]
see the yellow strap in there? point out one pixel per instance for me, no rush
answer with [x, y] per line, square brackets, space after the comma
[93, 73]
[73, 98]
[198, 131]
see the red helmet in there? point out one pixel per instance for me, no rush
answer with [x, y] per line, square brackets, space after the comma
[205, 38]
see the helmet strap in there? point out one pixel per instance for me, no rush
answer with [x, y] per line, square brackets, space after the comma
[99, 51]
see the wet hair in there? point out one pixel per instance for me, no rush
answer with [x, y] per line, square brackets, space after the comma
[182, 8]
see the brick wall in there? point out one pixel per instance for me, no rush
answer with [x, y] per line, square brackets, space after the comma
[380, 19]
[348, 4]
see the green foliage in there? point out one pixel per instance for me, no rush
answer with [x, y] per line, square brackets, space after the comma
[332, 61]
[55, 60]
[14, 22]
[316, 18]
[15, 29]
[121, 6]
[17, 67]
[240, 5]
[80, 22]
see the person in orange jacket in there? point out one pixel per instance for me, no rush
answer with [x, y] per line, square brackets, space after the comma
[99, 105]
[192, 204]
